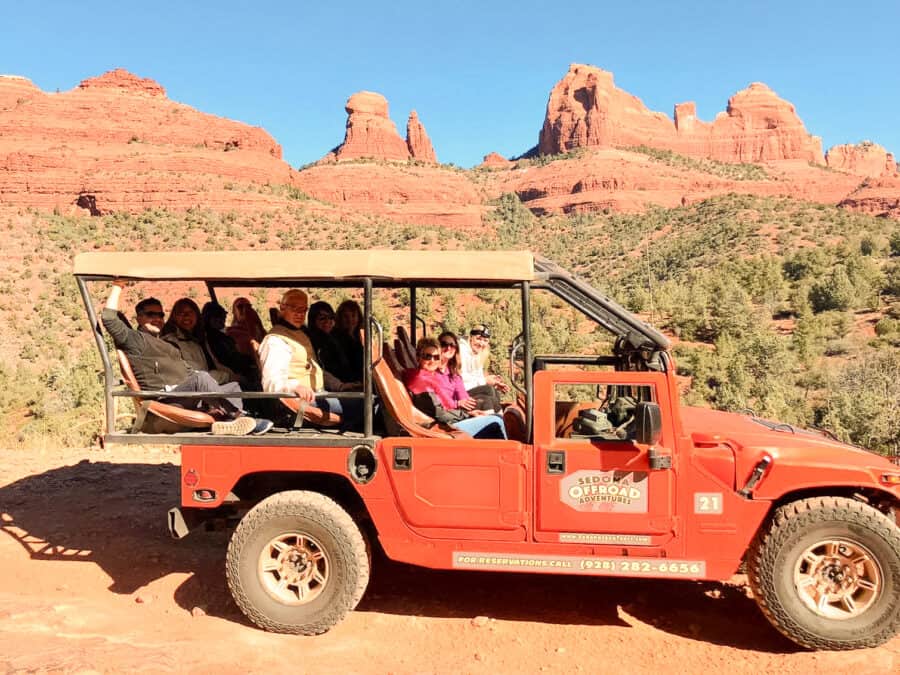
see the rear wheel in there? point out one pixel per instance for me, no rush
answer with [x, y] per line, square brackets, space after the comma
[826, 573]
[297, 563]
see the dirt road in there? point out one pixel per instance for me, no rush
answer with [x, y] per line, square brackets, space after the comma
[91, 582]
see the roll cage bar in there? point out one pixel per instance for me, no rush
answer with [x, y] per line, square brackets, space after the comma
[548, 275]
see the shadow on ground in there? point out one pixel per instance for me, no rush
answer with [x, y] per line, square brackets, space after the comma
[113, 515]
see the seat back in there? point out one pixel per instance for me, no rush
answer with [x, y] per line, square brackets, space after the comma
[398, 404]
[405, 349]
[394, 364]
[177, 417]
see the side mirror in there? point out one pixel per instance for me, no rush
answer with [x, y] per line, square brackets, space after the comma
[648, 422]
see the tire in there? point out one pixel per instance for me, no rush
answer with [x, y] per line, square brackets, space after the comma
[826, 573]
[297, 563]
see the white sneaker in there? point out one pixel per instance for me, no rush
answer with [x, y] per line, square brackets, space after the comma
[239, 427]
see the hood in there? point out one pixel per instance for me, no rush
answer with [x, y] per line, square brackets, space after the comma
[800, 457]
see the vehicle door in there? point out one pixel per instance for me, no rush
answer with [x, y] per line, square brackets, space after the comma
[594, 483]
[459, 488]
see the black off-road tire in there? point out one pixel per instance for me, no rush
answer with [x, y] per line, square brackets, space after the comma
[773, 557]
[336, 534]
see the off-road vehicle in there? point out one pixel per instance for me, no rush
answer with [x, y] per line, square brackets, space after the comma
[623, 481]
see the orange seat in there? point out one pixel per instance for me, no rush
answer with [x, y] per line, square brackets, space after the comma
[399, 406]
[404, 349]
[174, 415]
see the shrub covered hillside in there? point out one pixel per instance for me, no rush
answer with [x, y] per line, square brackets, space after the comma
[784, 307]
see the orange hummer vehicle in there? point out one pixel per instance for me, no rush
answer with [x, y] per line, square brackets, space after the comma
[603, 473]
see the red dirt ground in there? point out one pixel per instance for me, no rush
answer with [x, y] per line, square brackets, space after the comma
[92, 583]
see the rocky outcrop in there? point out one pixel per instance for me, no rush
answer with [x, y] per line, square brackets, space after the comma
[116, 142]
[586, 109]
[417, 140]
[372, 134]
[370, 131]
[863, 159]
[877, 197]
[494, 160]
[122, 79]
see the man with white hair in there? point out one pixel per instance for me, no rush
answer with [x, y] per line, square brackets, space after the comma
[289, 363]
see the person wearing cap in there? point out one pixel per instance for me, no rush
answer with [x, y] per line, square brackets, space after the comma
[474, 355]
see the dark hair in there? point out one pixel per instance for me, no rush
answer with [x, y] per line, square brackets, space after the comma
[145, 303]
[453, 362]
[210, 311]
[314, 310]
[170, 326]
[424, 343]
[353, 306]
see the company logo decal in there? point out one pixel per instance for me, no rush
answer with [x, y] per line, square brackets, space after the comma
[609, 491]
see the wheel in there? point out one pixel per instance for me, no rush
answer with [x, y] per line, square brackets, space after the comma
[297, 563]
[826, 573]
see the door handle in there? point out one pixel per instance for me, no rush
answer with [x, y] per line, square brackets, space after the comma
[402, 458]
[556, 461]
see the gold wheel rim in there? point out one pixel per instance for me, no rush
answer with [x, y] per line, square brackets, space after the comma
[838, 578]
[293, 568]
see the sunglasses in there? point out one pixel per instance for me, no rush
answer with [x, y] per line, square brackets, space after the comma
[448, 345]
[430, 357]
[325, 317]
[154, 315]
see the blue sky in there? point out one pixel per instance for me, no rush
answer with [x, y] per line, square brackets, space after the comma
[478, 72]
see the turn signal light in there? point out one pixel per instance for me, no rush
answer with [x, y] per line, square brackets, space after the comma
[191, 478]
[892, 479]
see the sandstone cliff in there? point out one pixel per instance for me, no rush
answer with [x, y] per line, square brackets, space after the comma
[116, 142]
[863, 159]
[586, 109]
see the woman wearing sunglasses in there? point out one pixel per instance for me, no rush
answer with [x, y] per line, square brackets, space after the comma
[442, 397]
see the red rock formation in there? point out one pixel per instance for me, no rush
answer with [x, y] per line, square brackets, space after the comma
[586, 109]
[421, 195]
[417, 140]
[864, 159]
[878, 197]
[122, 79]
[370, 131]
[494, 160]
[120, 141]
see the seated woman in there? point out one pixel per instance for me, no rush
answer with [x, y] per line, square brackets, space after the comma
[184, 330]
[223, 347]
[440, 396]
[246, 327]
[348, 334]
[319, 326]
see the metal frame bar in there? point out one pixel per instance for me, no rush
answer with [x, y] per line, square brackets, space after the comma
[104, 355]
[367, 358]
[527, 361]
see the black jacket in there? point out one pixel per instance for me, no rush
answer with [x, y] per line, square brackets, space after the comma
[155, 362]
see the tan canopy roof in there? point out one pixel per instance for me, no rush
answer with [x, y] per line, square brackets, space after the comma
[312, 265]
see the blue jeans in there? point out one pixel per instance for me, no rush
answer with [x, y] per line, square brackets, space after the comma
[483, 426]
[350, 410]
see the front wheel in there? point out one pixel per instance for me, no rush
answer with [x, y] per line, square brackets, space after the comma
[297, 563]
[826, 573]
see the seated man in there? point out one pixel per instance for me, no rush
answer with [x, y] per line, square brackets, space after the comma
[289, 363]
[474, 355]
[158, 365]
